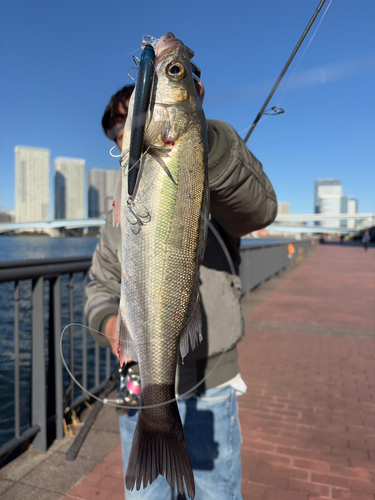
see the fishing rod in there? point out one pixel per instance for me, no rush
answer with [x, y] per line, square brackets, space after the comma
[261, 112]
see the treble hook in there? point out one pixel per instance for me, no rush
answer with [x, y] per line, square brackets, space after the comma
[136, 61]
[129, 74]
[122, 155]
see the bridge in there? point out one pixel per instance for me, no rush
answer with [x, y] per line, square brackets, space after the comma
[291, 223]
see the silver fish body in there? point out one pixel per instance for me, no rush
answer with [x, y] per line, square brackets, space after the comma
[163, 226]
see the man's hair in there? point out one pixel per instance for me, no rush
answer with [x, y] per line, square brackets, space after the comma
[111, 115]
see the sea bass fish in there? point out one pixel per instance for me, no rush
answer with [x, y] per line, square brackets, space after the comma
[163, 230]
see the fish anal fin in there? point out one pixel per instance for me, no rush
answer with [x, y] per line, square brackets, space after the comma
[191, 335]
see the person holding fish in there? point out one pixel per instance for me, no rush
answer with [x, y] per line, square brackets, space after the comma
[164, 284]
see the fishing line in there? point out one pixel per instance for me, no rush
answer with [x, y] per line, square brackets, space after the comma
[125, 406]
[303, 54]
[180, 396]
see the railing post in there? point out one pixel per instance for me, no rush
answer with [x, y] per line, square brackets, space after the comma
[38, 367]
[56, 284]
[108, 362]
[84, 341]
[17, 417]
[97, 364]
[71, 334]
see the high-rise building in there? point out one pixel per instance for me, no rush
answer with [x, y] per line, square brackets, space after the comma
[96, 187]
[328, 194]
[32, 167]
[100, 189]
[352, 209]
[69, 188]
[344, 209]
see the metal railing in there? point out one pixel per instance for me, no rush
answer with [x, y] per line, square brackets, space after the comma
[260, 261]
[55, 288]
[53, 295]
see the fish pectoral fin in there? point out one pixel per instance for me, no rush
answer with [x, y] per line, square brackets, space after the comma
[116, 202]
[154, 131]
[191, 335]
[126, 347]
[157, 154]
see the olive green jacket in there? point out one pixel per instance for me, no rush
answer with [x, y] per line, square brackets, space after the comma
[241, 200]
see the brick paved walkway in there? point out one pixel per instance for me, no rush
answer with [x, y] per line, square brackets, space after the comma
[308, 418]
[308, 358]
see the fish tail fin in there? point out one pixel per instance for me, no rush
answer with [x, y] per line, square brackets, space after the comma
[155, 452]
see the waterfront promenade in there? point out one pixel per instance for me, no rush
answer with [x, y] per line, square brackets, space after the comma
[308, 417]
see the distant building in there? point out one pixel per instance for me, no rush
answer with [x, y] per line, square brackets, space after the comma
[32, 170]
[69, 188]
[352, 209]
[283, 208]
[344, 209]
[100, 191]
[96, 188]
[7, 215]
[328, 195]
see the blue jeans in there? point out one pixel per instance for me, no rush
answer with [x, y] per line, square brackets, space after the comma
[213, 438]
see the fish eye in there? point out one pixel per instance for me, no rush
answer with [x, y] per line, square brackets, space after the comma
[175, 71]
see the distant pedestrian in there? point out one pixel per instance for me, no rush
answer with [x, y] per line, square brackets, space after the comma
[342, 237]
[366, 240]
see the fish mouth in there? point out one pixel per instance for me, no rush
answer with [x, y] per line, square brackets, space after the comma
[165, 43]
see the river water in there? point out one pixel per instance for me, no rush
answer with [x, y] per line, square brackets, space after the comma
[43, 247]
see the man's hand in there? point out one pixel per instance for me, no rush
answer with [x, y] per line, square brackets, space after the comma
[110, 333]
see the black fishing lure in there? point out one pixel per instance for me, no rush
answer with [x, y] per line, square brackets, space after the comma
[142, 99]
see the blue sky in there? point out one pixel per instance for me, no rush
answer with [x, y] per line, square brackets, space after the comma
[61, 61]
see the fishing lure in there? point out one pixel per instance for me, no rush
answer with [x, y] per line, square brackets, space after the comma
[142, 100]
